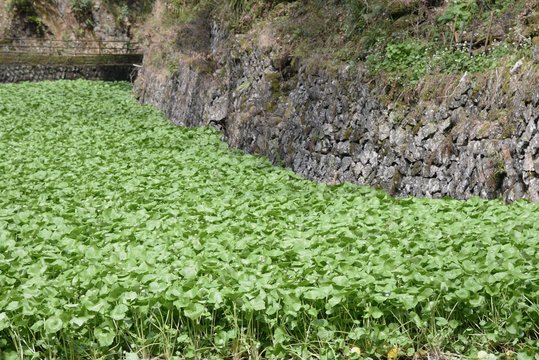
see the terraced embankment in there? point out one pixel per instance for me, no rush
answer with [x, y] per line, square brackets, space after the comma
[18, 67]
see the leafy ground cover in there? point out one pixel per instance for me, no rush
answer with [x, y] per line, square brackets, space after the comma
[122, 236]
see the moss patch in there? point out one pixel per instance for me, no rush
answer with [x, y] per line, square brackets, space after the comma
[45, 59]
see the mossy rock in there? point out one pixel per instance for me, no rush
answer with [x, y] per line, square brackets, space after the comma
[395, 183]
[397, 9]
[415, 169]
[274, 78]
[403, 22]
[348, 133]
[46, 59]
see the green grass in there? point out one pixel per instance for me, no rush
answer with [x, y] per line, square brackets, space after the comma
[122, 236]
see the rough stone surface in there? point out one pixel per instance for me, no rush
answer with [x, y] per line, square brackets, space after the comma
[481, 140]
[11, 73]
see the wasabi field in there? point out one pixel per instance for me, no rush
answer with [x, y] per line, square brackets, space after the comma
[123, 236]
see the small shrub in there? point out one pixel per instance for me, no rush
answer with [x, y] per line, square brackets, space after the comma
[37, 24]
[82, 10]
[407, 61]
[403, 55]
[22, 6]
[122, 13]
[82, 6]
[459, 12]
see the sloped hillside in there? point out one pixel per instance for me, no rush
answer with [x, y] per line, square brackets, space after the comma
[90, 20]
[404, 40]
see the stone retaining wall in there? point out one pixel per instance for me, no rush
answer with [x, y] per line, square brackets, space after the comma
[480, 139]
[10, 73]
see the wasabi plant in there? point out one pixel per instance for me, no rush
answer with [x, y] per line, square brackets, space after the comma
[123, 236]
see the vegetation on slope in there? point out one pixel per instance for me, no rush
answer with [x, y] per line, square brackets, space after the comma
[124, 236]
[403, 40]
[70, 19]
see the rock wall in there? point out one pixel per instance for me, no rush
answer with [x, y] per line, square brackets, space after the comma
[10, 73]
[480, 138]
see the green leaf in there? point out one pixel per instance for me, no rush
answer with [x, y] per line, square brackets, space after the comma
[340, 281]
[118, 313]
[440, 321]
[11, 355]
[315, 294]
[258, 303]
[357, 333]
[99, 307]
[4, 321]
[12, 306]
[131, 356]
[333, 301]
[215, 297]
[477, 301]
[105, 336]
[130, 296]
[280, 336]
[374, 312]
[425, 294]
[324, 334]
[79, 321]
[194, 311]
[512, 329]
[453, 324]
[472, 285]
[462, 293]
[53, 325]
[189, 272]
